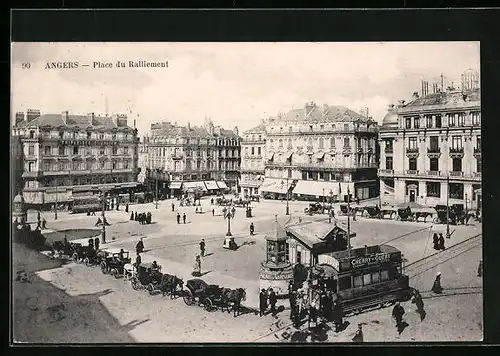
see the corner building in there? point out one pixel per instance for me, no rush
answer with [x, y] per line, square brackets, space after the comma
[253, 162]
[69, 159]
[319, 153]
[431, 148]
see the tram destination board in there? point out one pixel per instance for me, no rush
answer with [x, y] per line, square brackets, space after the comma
[369, 260]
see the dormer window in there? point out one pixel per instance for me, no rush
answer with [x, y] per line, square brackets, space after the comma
[310, 128]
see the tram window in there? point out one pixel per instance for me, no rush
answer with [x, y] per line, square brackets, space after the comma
[367, 279]
[358, 281]
[344, 283]
[384, 275]
[375, 277]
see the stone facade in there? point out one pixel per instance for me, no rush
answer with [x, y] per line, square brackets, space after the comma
[63, 152]
[431, 148]
[253, 162]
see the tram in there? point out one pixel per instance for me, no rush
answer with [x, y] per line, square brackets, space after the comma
[363, 278]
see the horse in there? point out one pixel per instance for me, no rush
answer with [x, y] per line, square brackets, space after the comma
[169, 283]
[233, 298]
[422, 214]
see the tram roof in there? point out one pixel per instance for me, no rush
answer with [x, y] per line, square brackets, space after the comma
[363, 251]
[312, 233]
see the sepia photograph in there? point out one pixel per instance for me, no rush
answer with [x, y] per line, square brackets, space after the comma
[246, 192]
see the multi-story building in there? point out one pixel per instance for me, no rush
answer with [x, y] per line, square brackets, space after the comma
[322, 152]
[431, 148]
[253, 162]
[17, 164]
[193, 155]
[70, 156]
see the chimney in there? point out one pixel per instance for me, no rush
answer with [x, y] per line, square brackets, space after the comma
[236, 131]
[32, 115]
[366, 249]
[90, 117]
[64, 116]
[415, 95]
[19, 117]
[309, 107]
[189, 126]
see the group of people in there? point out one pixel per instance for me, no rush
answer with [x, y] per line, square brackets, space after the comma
[438, 242]
[268, 298]
[142, 218]
[41, 222]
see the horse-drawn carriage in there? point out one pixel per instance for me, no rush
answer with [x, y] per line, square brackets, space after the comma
[147, 277]
[241, 203]
[314, 208]
[456, 214]
[114, 261]
[344, 210]
[223, 202]
[405, 214]
[198, 292]
[86, 254]
[373, 212]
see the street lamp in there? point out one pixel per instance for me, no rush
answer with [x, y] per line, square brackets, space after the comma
[103, 236]
[466, 210]
[331, 204]
[228, 217]
[55, 207]
[287, 211]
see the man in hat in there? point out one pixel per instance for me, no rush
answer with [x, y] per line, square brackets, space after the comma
[419, 303]
[441, 242]
[132, 216]
[184, 218]
[337, 315]
[252, 229]
[138, 261]
[262, 302]
[173, 207]
[435, 241]
[358, 337]
[436, 287]
[272, 301]
[178, 218]
[397, 313]
[202, 247]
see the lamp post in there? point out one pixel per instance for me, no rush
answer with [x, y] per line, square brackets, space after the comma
[156, 188]
[103, 236]
[331, 207]
[228, 217]
[348, 221]
[448, 207]
[55, 207]
[323, 199]
[287, 211]
[466, 210]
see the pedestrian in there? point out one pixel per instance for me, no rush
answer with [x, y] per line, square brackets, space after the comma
[272, 302]
[202, 248]
[435, 241]
[212, 201]
[117, 206]
[441, 242]
[138, 261]
[184, 218]
[436, 287]
[233, 212]
[93, 213]
[139, 248]
[262, 302]
[419, 303]
[91, 243]
[196, 210]
[358, 337]
[337, 314]
[132, 216]
[197, 267]
[126, 208]
[149, 217]
[397, 313]
[252, 229]
[173, 207]
[213, 212]
[292, 298]
[480, 269]
[135, 216]
[178, 218]
[96, 243]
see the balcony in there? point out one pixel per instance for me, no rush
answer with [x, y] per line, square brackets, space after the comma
[477, 175]
[177, 156]
[412, 172]
[434, 150]
[434, 173]
[34, 174]
[412, 150]
[386, 172]
[456, 152]
[456, 174]
[389, 150]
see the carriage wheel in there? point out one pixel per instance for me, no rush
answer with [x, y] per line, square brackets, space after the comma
[208, 305]
[86, 261]
[188, 298]
[115, 273]
[75, 257]
[104, 267]
[151, 289]
[135, 283]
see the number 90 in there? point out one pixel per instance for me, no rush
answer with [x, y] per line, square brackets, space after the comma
[26, 65]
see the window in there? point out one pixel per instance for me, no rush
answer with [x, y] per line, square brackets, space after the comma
[332, 142]
[433, 189]
[74, 135]
[61, 151]
[125, 164]
[101, 137]
[478, 143]
[32, 134]
[253, 151]
[457, 165]
[416, 122]
[384, 275]
[281, 143]
[258, 151]
[310, 128]
[375, 277]
[76, 166]
[347, 142]
[344, 283]
[452, 120]
[102, 150]
[89, 135]
[321, 175]
[115, 150]
[434, 143]
[412, 143]
[31, 150]
[309, 175]
[333, 127]
[456, 191]
[478, 164]
[434, 164]
[412, 164]
[438, 121]
[428, 121]
[358, 281]
[102, 164]
[461, 119]
[456, 143]
[125, 151]
[260, 137]
[61, 134]
[476, 119]
[321, 143]
[388, 163]
[47, 150]
[75, 150]
[367, 279]
[290, 143]
[408, 122]
[113, 165]
[322, 127]
[31, 166]
[346, 127]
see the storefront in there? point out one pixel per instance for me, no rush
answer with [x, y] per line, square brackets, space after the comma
[175, 189]
[275, 188]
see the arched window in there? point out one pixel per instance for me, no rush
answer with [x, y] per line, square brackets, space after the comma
[289, 143]
[321, 143]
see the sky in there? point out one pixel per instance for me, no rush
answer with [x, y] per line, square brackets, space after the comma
[235, 84]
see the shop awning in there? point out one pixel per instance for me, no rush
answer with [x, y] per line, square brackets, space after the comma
[319, 155]
[221, 184]
[128, 185]
[270, 156]
[211, 185]
[274, 185]
[195, 185]
[316, 188]
[288, 155]
[175, 185]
